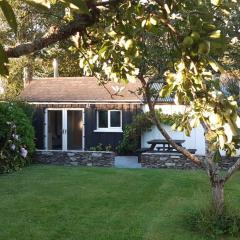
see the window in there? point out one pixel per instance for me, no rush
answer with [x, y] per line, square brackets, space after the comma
[115, 119]
[102, 119]
[109, 121]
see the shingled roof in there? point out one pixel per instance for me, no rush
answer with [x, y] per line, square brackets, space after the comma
[157, 86]
[78, 89]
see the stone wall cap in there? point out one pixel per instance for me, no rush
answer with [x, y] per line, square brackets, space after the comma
[73, 151]
[162, 154]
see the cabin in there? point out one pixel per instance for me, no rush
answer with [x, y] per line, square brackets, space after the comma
[77, 113]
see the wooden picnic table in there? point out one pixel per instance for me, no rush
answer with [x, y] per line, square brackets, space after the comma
[164, 145]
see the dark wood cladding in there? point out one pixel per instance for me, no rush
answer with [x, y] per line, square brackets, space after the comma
[38, 123]
[92, 138]
[106, 138]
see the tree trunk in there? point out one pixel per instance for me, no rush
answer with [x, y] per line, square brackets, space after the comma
[218, 196]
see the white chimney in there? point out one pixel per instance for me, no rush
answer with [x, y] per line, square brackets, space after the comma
[55, 68]
[27, 76]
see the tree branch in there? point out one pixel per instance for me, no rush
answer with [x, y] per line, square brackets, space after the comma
[164, 20]
[232, 170]
[180, 149]
[53, 36]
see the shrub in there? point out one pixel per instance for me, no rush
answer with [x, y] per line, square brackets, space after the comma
[213, 225]
[27, 109]
[101, 147]
[142, 122]
[132, 132]
[16, 136]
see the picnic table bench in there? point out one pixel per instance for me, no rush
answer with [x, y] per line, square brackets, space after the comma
[162, 146]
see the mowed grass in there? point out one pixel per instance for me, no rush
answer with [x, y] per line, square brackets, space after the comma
[71, 203]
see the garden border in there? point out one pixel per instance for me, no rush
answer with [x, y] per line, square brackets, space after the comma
[178, 161]
[76, 158]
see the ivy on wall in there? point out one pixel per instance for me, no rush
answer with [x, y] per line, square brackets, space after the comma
[142, 122]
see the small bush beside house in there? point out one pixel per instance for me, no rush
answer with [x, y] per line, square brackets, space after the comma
[141, 123]
[132, 133]
[16, 136]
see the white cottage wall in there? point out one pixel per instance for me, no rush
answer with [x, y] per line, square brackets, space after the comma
[195, 141]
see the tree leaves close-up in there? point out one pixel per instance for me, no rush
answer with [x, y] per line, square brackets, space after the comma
[15, 22]
[9, 14]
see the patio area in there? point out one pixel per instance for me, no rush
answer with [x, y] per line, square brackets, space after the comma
[127, 162]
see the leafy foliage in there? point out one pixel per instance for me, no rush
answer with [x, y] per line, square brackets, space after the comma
[132, 133]
[16, 136]
[32, 20]
[9, 14]
[180, 41]
[142, 123]
[40, 63]
[101, 147]
[41, 67]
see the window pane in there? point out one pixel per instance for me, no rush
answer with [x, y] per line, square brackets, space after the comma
[102, 119]
[115, 118]
[55, 129]
[74, 129]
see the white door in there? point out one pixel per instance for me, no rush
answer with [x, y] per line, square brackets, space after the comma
[64, 129]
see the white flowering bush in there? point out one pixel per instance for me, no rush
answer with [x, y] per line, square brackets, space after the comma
[16, 137]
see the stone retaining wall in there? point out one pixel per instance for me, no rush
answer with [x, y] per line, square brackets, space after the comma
[83, 158]
[177, 161]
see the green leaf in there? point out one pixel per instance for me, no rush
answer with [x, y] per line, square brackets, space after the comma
[209, 27]
[153, 21]
[40, 5]
[225, 10]
[221, 141]
[204, 47]
[104, 48]
[143, 24]
[187, 132]
[216, 2]
[215, 34]
[217, 156]
[216, 67]
[46, 3]
[180, 128]
[179, 98]
[187, 42]
[80, 4]
[174, 127]
[128, 44]
[112, 34]
[9, 14]
[166, 91]
[82, 63]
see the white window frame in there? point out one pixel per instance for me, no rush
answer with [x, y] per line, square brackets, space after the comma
[109, 128]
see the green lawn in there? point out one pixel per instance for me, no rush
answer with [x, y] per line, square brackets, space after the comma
[49, 202]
